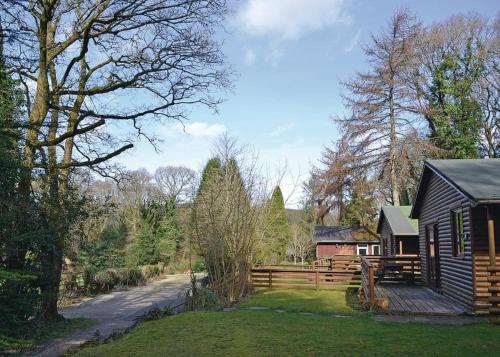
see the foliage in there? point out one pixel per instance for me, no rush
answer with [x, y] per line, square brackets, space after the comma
[276, 233]
[333, 329]
[223, 224]
[38, 334]
[456, 117]
[155, 313]
[158, 238]
[361, 208]
[199, 265]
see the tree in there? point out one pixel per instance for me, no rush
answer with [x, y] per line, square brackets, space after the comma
[378, 100]
[158, 234]
[276, 232]
[456, 59]
[361, 208]
[78, 55]
[224, 219]
[176, 182]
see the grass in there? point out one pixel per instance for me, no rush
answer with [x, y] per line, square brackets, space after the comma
[38, 336]
[246, 332]
[342, 301]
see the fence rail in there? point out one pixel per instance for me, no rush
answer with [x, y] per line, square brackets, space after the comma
[341, 270]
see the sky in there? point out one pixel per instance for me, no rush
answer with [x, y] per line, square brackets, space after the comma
[289, 56]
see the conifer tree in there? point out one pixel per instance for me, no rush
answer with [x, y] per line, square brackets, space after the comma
[276, 236]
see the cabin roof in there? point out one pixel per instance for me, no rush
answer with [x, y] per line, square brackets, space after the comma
[344, 234]
[398, 219]
[476, 179]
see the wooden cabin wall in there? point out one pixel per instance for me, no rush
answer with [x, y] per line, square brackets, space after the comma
[456, 272]
[386, 237]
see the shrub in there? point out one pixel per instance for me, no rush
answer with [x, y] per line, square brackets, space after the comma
[199, 266]
[156, 313]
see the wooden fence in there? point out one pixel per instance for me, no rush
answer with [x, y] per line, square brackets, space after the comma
[484, 290]
[344, 270]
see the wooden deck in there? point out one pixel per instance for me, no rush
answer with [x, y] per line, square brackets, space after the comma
[416, 299]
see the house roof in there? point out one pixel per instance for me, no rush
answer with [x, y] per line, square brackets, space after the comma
[476, 179]
[344, 234]
[398, 219]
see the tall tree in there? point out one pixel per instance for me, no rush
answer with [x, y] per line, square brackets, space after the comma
[77, 56]
[177, 182]
[378, 102]
[455, 62]
[224, 220]
[276, 232]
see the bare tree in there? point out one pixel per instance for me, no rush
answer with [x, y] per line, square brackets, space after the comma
[225, 215]
[302, 243]
[379, 103]
[176, 182]
[84, 65]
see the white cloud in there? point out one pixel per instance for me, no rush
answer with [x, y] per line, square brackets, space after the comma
[250, 57]
[290, 19]
[194, 129]
[354, 42]
[281, 129]
[201, 129]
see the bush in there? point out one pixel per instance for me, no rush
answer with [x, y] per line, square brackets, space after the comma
[199, 266]
[155, 314]
[150, 271]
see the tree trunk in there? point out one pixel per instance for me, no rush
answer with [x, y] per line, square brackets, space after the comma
[396, 201]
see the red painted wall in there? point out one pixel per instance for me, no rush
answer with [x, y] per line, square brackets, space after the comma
[324, 250]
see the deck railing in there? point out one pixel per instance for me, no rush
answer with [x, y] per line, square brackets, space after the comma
[368, 280]
[371, 270]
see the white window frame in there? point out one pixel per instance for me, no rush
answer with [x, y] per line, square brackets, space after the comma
[362, 246]
[373, 249]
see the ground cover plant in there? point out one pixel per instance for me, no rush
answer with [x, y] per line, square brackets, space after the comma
[34, 336]
[313, 323]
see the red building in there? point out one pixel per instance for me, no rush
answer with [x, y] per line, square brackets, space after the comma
[345, 240]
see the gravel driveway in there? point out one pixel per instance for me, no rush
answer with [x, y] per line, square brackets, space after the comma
[117, 311]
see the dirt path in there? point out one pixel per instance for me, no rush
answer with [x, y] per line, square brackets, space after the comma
[116, 312]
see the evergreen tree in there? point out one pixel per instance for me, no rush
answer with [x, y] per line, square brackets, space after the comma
[276, 235]
[456, 118]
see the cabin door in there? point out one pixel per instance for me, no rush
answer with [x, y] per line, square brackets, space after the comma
[433, 266]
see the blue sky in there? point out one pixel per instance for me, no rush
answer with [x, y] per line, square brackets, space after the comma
[289, 56]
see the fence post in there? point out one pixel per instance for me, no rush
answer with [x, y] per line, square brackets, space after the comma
[317, 280]
[412, 267]
[270, 279]
[371, 283]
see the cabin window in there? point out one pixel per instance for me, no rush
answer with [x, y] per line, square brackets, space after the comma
[376, 249]
[362, 249]
[458, 235]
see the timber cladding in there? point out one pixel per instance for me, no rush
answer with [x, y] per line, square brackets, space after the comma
[439, 199]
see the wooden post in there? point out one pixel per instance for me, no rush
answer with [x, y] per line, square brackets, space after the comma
[412, 267]
[491, 239]
[371, 282]
[270, 279]
[494, 313]
[317, 280]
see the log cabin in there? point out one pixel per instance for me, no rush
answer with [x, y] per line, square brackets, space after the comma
[458, 210]
[345, 240]
[398, 232]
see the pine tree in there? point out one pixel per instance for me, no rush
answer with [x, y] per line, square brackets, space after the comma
[276, 235]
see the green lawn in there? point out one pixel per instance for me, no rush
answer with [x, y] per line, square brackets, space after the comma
[336, 328]
[38, 336]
